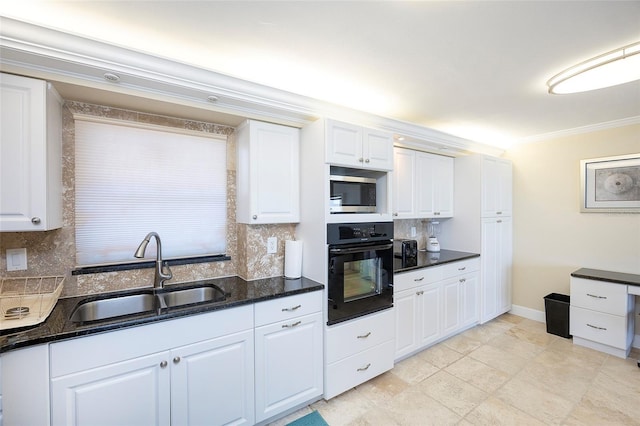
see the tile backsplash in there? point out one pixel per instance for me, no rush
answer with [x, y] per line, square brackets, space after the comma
[53, 252]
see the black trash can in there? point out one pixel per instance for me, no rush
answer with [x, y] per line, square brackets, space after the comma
[556, 307]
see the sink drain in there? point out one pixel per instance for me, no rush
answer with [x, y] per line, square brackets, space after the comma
[16, 312]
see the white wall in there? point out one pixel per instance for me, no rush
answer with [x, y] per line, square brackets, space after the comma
[552, 238]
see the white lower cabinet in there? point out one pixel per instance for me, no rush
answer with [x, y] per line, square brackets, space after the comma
[434, 303]
[357, 351]
[288, 353]
[152, 375]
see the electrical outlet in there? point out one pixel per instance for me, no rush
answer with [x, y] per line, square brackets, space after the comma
[272, 245]
[17, 259]
[413, 231]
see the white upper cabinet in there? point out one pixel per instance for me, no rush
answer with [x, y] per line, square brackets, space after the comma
[30, 155]
[354, 146]
[496, 187]
[423, 185]
[268, 173]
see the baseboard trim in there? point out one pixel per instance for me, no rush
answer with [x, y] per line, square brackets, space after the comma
[528, 313]
[535, 315]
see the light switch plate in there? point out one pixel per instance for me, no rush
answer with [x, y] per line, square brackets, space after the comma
[17, 259]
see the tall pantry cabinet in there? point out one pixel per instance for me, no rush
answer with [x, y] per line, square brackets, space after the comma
[483, 224]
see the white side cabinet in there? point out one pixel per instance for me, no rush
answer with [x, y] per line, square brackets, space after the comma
[423, 185]
[194, 370]
[354, 146]
[30, 155]
[288, 352]
[434, 303]
[483, 224]
[268, 173]
[601, 316]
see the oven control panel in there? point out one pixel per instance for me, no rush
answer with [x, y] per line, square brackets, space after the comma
[347, 233]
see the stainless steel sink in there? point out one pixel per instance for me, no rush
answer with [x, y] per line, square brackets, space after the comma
[132, 304]
[189, 296]
[114, 307]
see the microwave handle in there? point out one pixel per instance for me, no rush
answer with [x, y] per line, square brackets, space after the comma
[360, 249]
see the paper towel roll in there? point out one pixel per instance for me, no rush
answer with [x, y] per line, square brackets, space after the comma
[292, 259]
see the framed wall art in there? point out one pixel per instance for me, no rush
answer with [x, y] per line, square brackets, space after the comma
[611, 184]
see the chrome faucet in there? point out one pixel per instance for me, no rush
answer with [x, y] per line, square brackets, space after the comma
[163, 273]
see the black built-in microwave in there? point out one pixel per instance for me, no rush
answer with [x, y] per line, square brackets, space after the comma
[352, 194]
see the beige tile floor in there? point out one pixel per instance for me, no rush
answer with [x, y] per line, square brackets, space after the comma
[506, 372]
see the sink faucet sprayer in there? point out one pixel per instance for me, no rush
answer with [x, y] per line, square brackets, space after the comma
[163, 273]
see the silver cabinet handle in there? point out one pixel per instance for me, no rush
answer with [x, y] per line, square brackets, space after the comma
[35, 220]
[364, 336]
[291, 325]
[291, 309]
[498, 221]
[463, 280]
[176, 360]
[596, 327]
[420, 293]
[462, 269]
[163, 364]
[436, 213]
[365, 368]
[596, 296]
[498, 212]
[360, 160]
[418, 279]
[366, 161]
[395, 214]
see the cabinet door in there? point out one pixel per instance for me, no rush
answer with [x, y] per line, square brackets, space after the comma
[443, 190]
[496, 267]
[405, 304]
[134, 392]
[404, 183]
[268, 174]
[288, 364]
[451, 306]
[496, 187]
[30, 156]
[425, 195]
[344, 144]
[212, 382]
[430, 317]
[377, 150]
[469, 312]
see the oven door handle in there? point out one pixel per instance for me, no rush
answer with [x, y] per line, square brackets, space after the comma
[360, 249]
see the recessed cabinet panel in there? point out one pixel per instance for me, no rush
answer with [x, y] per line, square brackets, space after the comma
[268, 173]
[30, 155]
[354, 146]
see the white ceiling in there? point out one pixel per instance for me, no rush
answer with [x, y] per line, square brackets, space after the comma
[473, 69]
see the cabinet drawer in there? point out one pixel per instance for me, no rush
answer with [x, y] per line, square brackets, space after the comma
[599, 327]
[599, 296]
[412, 279]
[359, 335]
[453, 269]
[354, 370]
[285, 308]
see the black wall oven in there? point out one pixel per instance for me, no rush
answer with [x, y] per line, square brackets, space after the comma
[360, 279]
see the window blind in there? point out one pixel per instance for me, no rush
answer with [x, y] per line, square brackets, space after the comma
[133, 180]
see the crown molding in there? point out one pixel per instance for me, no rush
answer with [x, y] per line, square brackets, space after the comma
[46, 53]
[629, 121]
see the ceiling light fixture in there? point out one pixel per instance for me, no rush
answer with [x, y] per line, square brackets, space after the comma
[609, 69]
[113, 78]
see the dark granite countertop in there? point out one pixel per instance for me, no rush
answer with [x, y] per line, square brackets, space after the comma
[238, 291]
[426, 259]
[608, 276]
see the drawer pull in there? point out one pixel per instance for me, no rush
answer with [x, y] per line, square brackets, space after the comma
[596, 296]
[420, 293]
[291, 325]
[365, 368]
[462, 269]
[291, 309]
[463, 280]
[596, 327]
[364, 336]
[418, 279]
[163, 364]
